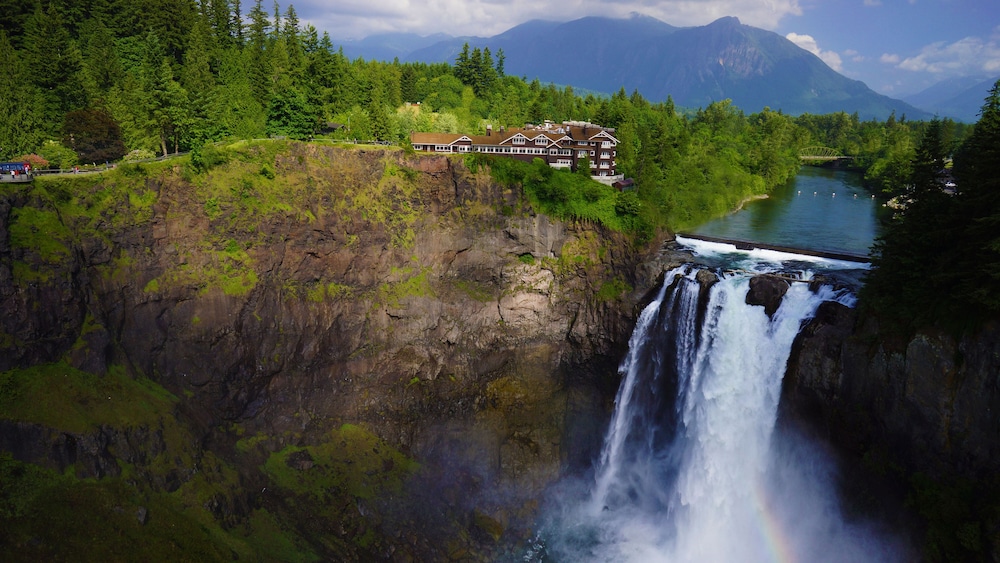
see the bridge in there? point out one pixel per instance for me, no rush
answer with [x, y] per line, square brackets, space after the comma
[821, 154]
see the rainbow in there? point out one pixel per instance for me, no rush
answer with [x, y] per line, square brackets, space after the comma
[778, 545]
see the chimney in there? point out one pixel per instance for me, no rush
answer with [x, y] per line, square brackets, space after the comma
[489, 130]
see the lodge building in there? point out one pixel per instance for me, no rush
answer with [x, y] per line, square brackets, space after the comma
[561, 146]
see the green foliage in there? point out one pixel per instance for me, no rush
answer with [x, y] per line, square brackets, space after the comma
[627, 204]
[94, 135]
[938, 261]
[139, 154]
[207, 157]
[58, 155]
[558, 193]
[290, 115]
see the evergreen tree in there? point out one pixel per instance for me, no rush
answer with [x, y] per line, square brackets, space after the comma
[977, 169]
[258, 43]
[199, 82]
[171, 108]
[913, 274]
[235, 108]
[54, 65]
[171, 21]
[290, 115]
[292, 35]
[101, 66]
[463, 69]
[237, 26]
[220, 20]
[20, 105]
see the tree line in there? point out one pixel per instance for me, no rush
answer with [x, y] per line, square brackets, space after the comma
[97, 80]
[938, 260]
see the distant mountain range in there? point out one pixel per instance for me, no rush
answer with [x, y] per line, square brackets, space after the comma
[959, 99]
[694, 65]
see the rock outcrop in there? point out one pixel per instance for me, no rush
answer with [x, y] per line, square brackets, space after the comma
[927, 402]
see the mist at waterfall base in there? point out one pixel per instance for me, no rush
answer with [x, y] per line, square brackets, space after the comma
[691, 467]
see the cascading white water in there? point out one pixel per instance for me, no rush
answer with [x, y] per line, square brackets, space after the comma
[688, 472]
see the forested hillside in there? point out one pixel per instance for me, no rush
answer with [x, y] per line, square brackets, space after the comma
[938, 262]
[99, 80]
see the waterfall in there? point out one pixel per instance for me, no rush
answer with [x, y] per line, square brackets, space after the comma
[688, 471]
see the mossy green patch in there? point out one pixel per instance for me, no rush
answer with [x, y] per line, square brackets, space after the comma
[229, 270]
[417, 285]
[42, 231]
[389, 204]
[63, 519]
[613, 289]
[62, 397]
[47, 516]
[352, 461]
[272, 542]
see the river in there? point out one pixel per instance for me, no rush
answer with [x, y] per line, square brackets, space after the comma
[820, 209]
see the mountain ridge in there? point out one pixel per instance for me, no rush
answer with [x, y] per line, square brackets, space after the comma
[695, 66]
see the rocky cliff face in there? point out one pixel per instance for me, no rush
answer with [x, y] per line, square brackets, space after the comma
[406, 295]
[929, 401]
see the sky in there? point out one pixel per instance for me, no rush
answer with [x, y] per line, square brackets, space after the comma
[896, 47]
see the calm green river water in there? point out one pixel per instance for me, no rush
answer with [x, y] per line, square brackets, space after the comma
[820, 209]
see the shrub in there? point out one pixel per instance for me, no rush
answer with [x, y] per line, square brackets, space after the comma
[34, 160]
[138, 154]
[58, 155]
[627, 204]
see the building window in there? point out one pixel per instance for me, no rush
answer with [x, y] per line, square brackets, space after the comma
[540, 141]
[518, 140]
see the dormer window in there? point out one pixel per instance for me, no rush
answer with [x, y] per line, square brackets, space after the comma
[518, 140]
[541, 141]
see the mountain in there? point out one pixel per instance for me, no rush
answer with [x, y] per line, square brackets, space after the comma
[959, 99]
[388, 46]
[694, 65]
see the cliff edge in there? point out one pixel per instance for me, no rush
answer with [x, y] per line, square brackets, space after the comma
[378, 355]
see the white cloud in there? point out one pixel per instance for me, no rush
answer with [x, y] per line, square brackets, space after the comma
[971, 55]
[889, 58]
[831, 58]
[354, 19]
